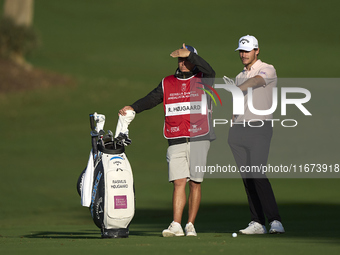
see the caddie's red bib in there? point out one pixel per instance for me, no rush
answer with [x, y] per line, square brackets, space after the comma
[185, 107]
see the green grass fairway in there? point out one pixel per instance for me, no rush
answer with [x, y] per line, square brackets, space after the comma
[118, 51]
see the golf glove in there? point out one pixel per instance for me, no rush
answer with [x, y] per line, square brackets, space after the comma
[228, 81]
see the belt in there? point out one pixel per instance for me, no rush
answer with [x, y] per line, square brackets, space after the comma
[178, 140]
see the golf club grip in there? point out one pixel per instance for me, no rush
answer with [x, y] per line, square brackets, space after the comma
[92, 121]
[94, 139]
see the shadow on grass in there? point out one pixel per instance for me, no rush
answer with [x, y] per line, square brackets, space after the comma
[84, 234]
[301, 220]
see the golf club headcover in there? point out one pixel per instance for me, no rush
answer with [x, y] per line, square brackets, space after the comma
[100, 121]
[124, 122]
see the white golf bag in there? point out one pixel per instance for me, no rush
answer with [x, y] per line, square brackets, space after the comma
[106, 185]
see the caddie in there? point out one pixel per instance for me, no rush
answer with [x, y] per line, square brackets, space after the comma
[187, 128]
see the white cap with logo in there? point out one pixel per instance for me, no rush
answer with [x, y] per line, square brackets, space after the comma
[247, 43]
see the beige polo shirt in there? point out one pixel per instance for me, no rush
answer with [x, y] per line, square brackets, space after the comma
[262, 96]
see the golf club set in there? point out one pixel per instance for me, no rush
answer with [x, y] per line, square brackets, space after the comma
[106, 184]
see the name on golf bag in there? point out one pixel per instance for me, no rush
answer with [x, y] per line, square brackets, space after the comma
[119, 184]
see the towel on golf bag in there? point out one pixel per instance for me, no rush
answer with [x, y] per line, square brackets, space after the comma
[87, 183]
[123, 123]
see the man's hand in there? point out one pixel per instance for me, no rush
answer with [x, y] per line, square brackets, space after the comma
[123, 110]
[228, 81]
[180, 53]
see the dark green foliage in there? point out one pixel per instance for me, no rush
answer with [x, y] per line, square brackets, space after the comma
[16, 39]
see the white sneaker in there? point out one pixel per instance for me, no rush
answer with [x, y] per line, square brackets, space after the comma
[254, 228]
[175, 229]
[190, 230]
[276, 227]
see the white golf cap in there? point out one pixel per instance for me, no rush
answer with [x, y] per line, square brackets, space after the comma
[247, 43]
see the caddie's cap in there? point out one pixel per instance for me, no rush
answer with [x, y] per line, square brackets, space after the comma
[190, 48]
[247, 43]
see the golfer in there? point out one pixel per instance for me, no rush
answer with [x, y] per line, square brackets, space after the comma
[249, 144]
[188, 128]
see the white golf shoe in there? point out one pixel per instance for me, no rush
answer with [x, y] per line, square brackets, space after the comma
[254, 228]
[175, 229]
[190, 230]
[276, 227]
